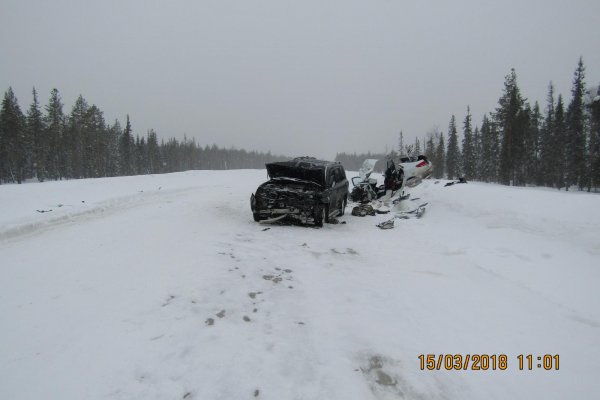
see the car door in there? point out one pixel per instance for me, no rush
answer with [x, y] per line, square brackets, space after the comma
[330, 186]
[337, 186]
[344, 183]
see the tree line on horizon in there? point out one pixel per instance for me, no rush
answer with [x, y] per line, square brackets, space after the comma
[518, 144]
[52, 145]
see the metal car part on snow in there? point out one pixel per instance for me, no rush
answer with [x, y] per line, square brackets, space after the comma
[304, 188]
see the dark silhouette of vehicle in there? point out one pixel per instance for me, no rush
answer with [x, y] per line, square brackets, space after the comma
[306, 189]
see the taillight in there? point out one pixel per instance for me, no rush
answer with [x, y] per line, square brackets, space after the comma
[421, 164]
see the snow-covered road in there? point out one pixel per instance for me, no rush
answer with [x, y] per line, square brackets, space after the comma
[163, 287]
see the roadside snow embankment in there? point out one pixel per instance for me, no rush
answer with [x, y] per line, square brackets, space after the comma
[545, 239]
[32, 207]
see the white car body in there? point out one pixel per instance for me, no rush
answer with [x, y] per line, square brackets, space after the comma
[416, 167]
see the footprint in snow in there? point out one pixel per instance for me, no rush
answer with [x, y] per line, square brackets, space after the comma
[384, 379]
[273, 278]
[348, 251]
[168, 301]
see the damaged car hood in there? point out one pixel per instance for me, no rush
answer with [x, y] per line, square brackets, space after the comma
[289, 171]
[293, 180]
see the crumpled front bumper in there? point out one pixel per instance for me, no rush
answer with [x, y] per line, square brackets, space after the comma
[304, 208]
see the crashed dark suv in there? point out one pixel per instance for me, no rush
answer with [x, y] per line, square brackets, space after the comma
[304, 188]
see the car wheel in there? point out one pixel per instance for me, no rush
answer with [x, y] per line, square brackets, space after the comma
[344, 204]
[321, 216]
[256, 216]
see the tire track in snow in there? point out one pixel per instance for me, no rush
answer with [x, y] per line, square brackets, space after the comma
[99, 210]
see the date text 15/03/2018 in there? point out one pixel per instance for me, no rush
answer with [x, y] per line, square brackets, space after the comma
[485, 362]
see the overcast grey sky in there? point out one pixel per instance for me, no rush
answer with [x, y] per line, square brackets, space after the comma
[295, 77]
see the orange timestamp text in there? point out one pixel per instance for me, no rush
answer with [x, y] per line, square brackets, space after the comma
[485, 362]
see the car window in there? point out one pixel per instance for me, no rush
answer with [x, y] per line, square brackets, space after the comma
[341, 174]
[338, 175]
[334, 177]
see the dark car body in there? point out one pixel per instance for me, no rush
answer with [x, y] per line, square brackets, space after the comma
[304, 188]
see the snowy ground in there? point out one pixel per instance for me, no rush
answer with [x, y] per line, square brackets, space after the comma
[163, 287]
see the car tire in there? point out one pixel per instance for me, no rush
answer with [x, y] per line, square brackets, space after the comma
[344, 204]
[256, 216]
[321, 216]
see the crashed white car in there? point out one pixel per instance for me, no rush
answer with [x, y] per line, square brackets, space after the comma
[415, 168]
[408, 173]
